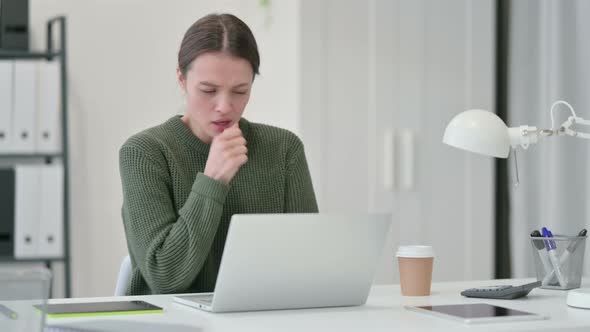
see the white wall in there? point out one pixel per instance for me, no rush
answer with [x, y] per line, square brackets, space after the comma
[378, 66]
[121, 76]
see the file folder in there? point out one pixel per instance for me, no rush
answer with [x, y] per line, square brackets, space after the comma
[6, 212]
[26, 210]
[48, 133]
[25, 100]
[51, 211]
[6, 99]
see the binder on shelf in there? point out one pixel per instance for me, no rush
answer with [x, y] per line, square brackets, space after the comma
[6, 97]
[51, 211]
[6, 212]
[26, 211]
[48, 133]
[25, 100]
[33, 199]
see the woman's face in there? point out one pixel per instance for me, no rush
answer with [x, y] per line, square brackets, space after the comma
[217, 87]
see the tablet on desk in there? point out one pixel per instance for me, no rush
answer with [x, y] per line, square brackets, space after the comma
[98, 309]
[477, 313]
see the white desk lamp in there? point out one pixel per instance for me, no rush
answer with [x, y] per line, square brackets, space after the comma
[485, 133]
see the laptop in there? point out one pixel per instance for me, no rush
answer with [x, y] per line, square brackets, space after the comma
[293, 261]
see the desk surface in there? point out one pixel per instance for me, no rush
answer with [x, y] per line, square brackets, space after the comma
[383, 311]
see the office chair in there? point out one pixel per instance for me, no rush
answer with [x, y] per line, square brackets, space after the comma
[124, 276]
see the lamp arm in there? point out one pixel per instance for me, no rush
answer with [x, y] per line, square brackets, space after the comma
[565, 128]
[523, 136]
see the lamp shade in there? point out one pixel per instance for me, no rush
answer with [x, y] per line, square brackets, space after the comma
[478, 131]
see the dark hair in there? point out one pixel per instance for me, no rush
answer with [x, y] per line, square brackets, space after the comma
[218, 33]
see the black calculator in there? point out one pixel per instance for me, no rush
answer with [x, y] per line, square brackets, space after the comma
[503, 292]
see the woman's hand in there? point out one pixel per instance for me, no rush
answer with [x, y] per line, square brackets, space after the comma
[227, 154]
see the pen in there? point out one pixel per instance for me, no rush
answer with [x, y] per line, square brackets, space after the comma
[570, 249]
[538, 243]
[550, 245]
[7, 312]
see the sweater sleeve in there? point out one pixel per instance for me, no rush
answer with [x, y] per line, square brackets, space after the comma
[299, 194]
[169, 247]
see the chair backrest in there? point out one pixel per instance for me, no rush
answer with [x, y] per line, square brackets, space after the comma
[124, 276]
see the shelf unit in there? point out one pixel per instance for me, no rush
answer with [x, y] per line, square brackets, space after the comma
[52, 52]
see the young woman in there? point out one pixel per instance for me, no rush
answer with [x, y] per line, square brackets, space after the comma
[184, 179]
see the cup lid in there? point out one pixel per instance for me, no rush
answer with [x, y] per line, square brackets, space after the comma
[415, 251]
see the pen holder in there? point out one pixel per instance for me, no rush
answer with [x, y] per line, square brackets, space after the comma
[558, 260]
[20, 289]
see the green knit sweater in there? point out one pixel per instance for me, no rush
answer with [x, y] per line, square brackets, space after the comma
[176, 219]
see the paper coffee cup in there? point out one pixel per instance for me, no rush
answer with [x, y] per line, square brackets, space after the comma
[415, 269]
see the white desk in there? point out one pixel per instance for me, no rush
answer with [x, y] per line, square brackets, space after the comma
[383, 312]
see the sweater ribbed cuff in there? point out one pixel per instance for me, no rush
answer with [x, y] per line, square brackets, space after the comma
[206, 186]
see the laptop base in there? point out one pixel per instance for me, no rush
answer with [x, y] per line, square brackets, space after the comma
[200, 301]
